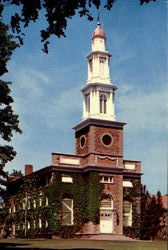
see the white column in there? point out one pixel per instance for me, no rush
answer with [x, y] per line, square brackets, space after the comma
[84, 106]
[108, 67]
[92, 102]
[113, 104]
[110, 104]
[96, 101]
[89, 74]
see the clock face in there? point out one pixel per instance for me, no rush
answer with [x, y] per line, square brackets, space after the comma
[106, 140]
[82, 141]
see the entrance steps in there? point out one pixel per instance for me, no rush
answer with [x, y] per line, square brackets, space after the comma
[111, 237]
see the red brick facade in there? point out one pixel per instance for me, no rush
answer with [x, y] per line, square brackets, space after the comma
[93, 155]
[94, 132]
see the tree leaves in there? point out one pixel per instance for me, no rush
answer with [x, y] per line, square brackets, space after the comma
[9, 121]
[7, 46]
[56, 14]
[152, 213]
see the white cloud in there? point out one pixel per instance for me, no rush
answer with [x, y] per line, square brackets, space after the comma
[142, 110]
[41, 105]
[29, 82]
[60, 110]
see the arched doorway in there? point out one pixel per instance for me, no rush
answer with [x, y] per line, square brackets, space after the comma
[106, 214]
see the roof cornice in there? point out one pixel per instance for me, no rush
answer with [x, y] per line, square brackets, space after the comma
[98, 122]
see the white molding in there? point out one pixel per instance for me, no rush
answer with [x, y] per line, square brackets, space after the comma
[68, 160]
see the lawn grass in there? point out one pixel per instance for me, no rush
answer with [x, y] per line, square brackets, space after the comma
[76, 244]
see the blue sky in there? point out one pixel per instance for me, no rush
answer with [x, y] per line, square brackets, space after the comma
[46, 88]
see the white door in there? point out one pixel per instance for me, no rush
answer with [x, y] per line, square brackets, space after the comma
[106, 222]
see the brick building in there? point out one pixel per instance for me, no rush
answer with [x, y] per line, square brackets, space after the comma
[94, 191]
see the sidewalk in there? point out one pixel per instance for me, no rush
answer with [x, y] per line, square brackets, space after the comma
[108, 237]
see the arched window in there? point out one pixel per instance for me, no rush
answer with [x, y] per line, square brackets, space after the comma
[91, 65]
[103, 101]
[106, 202]
[102, 61]
[127, 214]
[67, 211]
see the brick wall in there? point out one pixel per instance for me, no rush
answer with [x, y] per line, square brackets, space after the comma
[93, 136]
[116, 192]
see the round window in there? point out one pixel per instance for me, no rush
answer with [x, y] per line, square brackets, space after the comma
[107, 139]
[82, 141]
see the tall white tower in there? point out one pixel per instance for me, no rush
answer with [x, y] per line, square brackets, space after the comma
[98, 95]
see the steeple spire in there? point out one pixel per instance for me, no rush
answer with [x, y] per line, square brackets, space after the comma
[99, 93]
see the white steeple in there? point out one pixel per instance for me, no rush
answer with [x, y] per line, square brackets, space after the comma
[98, 94]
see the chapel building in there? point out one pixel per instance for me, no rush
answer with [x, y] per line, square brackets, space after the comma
[95, 190]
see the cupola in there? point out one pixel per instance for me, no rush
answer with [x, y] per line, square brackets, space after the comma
[98, 94]
[98, 39]
[99, 32]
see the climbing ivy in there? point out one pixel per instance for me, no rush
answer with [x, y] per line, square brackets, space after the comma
[133, 195]
[85, 191]
[93, 198]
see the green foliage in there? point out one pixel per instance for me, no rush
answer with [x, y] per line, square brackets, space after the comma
[7, 46]
[56, 16]
[67, 231]
[9, 122]
[82, 189]
[16, 173]
[152, 216]
[93, 197]
[148, 222]
[133, 195]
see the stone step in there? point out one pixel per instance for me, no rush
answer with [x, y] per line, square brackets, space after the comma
[108, 237]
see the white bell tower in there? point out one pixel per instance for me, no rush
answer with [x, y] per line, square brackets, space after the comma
[98, 95]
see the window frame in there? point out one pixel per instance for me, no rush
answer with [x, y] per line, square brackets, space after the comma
[128, 215]
[103, 103]
[71, 211]
[69, 178]
[105, 197]
[110, 179]
[102, 62]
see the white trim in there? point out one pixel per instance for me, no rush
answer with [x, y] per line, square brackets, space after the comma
[46, 223]
[106, 157]
[70, 208]
[103, 179]
[28, 225]
[128, 215]
[67, 179]
[34, 203]
[70, 161]
[13, 229]
[46, 201]
[127, 184]
[40, 223]
[40, 201]
[107, 207]
[83, 136]
[130, 166]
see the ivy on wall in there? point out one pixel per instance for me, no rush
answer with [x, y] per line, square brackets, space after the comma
[85, 191]
[133, 195]
[93, 198]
